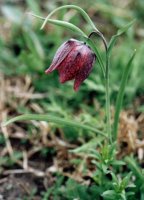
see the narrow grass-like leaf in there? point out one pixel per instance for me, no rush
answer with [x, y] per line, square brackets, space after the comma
[57, 120]
[64, 24]
[121, 95]
[125, 181]
[34, 6]
[134, 167]
[119, 32]
[87, 146]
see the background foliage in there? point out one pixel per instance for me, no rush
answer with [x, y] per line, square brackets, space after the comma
[92, 169]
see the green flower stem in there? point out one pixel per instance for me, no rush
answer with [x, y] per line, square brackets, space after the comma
[108, 112]
[83, 13]
[98, 33]
[63, 24]
[105, 71]
[106, 76]
[99, 58]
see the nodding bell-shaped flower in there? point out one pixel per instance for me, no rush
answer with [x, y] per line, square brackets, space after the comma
[73, 60]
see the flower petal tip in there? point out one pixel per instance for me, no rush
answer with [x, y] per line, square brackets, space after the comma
[62, 79]
[47, 71]
[76, 88]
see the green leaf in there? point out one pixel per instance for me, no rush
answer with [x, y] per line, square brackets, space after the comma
[34, 6]
[119, 33]
[33, 43]
[125, 181]
[114, 178]
[135, 169]
[57, 120]
[121, 94]
[104, 168]
[67, 25]
[79, 9]
[64, 24]
[109, 194]
[87, 146]
[13, 14]
[118, 162]
[131, 185]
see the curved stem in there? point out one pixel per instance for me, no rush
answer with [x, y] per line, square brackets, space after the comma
[105, 45]
[83, 13]
[100, 61]
[102, 37]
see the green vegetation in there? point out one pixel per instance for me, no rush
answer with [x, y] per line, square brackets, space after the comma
[67, 152]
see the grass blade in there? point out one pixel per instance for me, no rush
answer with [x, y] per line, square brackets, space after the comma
[119, 33]
[64, 24]
[121, 95]
[50, 118]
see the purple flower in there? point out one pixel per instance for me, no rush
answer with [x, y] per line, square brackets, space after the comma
[73, 60]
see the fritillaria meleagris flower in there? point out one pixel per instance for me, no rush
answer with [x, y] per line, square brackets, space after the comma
[73, 60]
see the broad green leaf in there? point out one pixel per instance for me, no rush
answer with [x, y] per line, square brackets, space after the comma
[57, 120]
